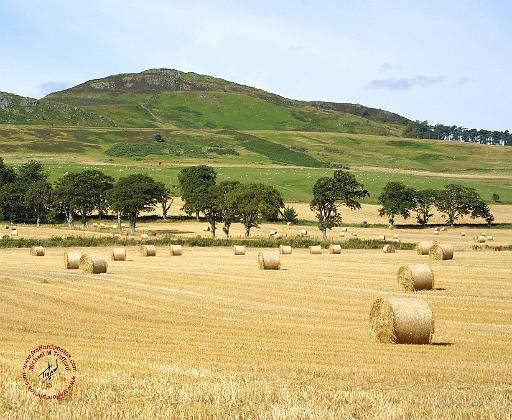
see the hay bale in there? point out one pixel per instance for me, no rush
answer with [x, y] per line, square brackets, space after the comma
[334, 249]
[176, 250]
[206, 228]
[444, 229]
[144, 236]
[268, 260]
[463, 234]
[480, 239]
[344, 229]
[354, 235]
[72, 260]
[14, 233]
[397, 240]
[285, 249]
[315, 249]
[490, 238]
[413, 277]
[148, 250]
[288, 223]
[37, 251]
[239, 249]
[103, 226]
[272, 233]
[4, 236]
[395, 236]
[277, 235]
[441, 252]
[114, 226]
[7, 227]
[436, 229]
[95, 225]
[118, 254]
[388, 249]
[303, 232]
[391, 227]
[382, 237]
[401, 321]
[93, 263]
[436, 233]
[423, 247]
[342, 234]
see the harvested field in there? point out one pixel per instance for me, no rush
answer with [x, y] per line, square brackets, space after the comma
[208, 335]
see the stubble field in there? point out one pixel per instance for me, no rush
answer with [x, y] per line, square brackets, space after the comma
[209, 335]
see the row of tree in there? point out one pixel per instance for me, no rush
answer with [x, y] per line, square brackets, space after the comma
[453, 202]
[422, 130]
[26, 194]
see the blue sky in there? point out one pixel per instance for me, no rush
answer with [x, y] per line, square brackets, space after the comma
[442, 61]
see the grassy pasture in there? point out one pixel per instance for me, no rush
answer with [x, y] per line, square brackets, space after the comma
[209, 335]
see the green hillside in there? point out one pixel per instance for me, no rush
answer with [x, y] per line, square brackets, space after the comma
[21, 110]
[170, 98]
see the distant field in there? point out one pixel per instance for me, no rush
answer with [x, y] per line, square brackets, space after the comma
[290, 160]
[210, 335]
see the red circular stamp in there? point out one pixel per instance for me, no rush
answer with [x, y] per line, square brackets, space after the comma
[49, 372]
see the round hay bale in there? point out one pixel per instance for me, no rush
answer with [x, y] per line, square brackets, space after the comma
[413, 277]
[395, 236]
[303, 232]
[436, 233]
[334, 249]
[14, 232]
[441, 252]
[176, 250]
[37, 251]
[401, 321]
[288, 223]
[272, 233]
[397, 240]
[436, 229]
[481, 239]
[391, 227]
[344, 229]
[118, 254]
[444, 229]
[114, 226]
[388, 249]
[72, 260]
[463, 234]
[144, 236]
[315, 249]
[423, 247]
[342, 234]
[490, 238]
[95, 225]
[148, 250]
[382, 237]
[268, 260]
[103, 226]
[354, 235]
[93, 263]
[239, 249]
[285, 249]
[7, 227]
[277, 235]
[206, 228]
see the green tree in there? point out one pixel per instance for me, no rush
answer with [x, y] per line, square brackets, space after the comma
[31, 171]
[248, 202]
[101, 185]
[166, 198]
[62, 198]
[228, 213]
[456, 201]
[38, 198]
[133, 194]
[11, 202]
[190, 181]
[397, 199]
[495, 197]
[290, 215]
[425, 200]
[329, 193]
[7, 173]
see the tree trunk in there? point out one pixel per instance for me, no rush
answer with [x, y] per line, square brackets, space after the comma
[247, 231]
[133, 221]
[84, 220]
[324, 234]
[225, 229]
[69, 217]
[37, 219]
[212, 229]
[118, 221]
[197, 216]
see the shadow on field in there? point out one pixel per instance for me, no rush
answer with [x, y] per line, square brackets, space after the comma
[442, 344]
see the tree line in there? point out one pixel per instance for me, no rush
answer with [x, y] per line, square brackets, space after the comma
[27, 195]
[422, 130]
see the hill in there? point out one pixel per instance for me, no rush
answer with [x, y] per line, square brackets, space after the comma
[171, 98]
[16, 109]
